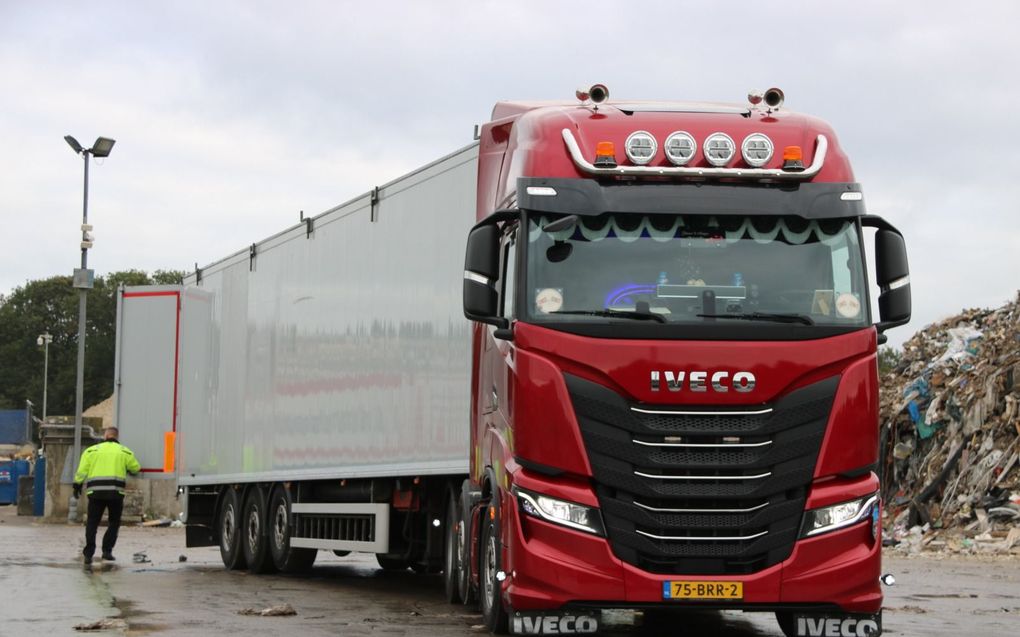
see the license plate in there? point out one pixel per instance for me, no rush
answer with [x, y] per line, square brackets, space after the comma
[702, 590]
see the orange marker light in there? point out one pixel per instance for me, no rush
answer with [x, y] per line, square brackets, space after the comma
[793, 159]
[605, 155]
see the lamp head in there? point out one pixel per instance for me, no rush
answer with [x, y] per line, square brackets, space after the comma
[102, 147]
[73, 143]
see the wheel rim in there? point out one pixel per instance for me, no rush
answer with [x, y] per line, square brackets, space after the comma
[228, 528]
[489, 581]
[253, 529]
[280, 526]
[460, 550]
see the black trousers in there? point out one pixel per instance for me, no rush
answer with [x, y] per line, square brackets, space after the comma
[114, 505]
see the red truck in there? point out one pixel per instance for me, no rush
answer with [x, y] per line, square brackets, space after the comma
[670, 381]
[674, 384]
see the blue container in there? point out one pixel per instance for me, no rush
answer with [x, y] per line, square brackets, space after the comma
[10, 471]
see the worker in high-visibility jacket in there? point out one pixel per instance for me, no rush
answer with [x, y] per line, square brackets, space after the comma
[103, 471]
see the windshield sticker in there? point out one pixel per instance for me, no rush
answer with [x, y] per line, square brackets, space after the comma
[549, 300]
[822, 303]
[848, 305]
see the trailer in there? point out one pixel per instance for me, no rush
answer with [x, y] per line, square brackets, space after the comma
[317, 382]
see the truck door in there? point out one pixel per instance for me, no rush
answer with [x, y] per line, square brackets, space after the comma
[146, 375]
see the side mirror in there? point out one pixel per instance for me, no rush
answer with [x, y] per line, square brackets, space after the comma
[481, 271]
[893, 275]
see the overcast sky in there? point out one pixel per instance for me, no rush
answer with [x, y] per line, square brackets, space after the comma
[230, 117]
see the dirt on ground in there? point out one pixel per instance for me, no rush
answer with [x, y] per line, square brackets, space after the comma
[45, 591]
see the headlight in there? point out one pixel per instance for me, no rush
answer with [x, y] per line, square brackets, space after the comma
[838, 516]
[575, 516]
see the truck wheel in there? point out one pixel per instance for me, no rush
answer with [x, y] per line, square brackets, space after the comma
[286, 558]
[453, 551]
[228, 525]
[254, 538]
[494, 616]
[468, 594]
[391, 563]
[786, 623]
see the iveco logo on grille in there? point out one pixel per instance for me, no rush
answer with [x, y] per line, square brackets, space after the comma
[699, 381]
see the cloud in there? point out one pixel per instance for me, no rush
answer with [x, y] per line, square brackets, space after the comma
[233, 116]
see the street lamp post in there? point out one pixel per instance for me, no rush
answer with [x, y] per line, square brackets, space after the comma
[83, 279]
[44, 340]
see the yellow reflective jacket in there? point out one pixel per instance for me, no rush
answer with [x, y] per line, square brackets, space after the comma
[104, 468]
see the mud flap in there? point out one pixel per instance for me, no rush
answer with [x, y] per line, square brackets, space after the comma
[555, 622]
[836, 625]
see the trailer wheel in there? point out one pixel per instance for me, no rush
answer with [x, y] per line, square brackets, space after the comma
[285, 557]
[254, 538]
[228, 525]
[494, 615]
[453, 551]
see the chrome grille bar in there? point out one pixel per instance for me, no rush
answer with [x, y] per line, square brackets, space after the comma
[659, 510]
[697, 538]
[662, 477]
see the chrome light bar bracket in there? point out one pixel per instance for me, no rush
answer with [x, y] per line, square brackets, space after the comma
[821, 148]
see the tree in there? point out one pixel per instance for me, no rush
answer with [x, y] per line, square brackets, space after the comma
[51, 305]
[888, 359]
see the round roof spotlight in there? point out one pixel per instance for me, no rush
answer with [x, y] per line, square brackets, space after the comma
[582, 94]
[598, 93]
[774, 98]
[640, 147]
[756, 149]
[754, 96]
[719, 149]
[680, 147]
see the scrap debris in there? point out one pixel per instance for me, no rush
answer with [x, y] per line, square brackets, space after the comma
[283, 610]
[950, 413]
[102, 624]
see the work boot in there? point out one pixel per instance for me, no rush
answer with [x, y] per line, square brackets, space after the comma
[109, 557]
[87, 559]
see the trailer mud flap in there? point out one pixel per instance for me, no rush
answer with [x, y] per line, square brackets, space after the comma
[555, 622]
[844, 625]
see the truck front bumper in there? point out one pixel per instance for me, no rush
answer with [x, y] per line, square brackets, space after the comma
[551, 567]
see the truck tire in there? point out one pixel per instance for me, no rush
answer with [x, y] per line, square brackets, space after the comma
[228, 527]
[285, 557]
[468, 593]
[786, 623]
[388, 563]
[254, 537]
[494, 615]
[453, 551]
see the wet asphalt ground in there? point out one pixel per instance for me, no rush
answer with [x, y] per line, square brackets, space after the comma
[44, 590]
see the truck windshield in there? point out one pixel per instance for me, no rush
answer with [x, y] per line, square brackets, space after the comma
[695, 268]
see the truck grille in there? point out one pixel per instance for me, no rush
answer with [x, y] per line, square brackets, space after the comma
[702, 490]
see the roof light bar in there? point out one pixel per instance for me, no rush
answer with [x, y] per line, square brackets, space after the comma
[821, 148]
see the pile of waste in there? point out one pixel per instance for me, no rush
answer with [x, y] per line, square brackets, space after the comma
[951, 432]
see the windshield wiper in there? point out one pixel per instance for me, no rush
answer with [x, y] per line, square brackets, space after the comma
[637, 316]
[764, 316]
